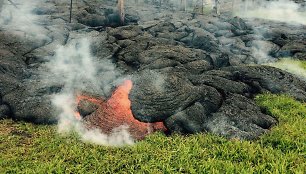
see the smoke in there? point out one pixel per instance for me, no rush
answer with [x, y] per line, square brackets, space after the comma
[281, 10]
[72, 66]
[261, 49]
[285, 11]
[68, 122]
[119, 136]
[18, 15]
[78, 71]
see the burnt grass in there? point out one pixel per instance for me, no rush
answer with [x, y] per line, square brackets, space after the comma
[30, 148]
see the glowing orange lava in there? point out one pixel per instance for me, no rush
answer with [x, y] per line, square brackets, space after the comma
[116, 111]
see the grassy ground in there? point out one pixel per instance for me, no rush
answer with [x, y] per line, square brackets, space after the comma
[28, 148]
[296, 67]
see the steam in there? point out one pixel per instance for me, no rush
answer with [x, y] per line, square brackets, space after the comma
[119, 136]
[19, 15]
[282, 10]
[261, 49]
[292, 66]
[285, 11]
[75, 68]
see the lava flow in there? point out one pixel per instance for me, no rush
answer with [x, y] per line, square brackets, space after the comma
[115, 112]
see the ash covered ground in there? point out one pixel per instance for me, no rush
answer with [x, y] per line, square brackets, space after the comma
[193, 72]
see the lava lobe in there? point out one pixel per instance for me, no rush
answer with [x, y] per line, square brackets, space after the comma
[107, 115]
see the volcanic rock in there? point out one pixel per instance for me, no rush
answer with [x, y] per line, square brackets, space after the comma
[156, 96]
[4, 111]
[86, 108]
[30, 105]
[221, 103]
[239, 118]
[296, 49]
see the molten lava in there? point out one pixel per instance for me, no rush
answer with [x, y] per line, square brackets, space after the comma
[116, 111]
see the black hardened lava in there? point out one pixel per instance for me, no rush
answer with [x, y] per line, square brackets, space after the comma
[194, 73]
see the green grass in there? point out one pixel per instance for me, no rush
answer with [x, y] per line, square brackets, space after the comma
[289, 61]
[28, 148]
[296, 67]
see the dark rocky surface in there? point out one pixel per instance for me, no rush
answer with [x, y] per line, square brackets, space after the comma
[192, 72]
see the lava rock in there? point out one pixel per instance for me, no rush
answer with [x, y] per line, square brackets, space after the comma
[189, 71]
[269, 79]
[218, 101]
[239, 118]
[89, 19]
[4, 111]
[31, 105]
[239, 24]
[156, 96]
[86, 108]
[292, 48]
[125, 32]
[204, 40]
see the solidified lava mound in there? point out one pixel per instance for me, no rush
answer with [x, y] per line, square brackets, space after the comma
[189, 73]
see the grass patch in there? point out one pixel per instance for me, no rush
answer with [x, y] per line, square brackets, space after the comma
[296, 67]
[289, 61]
[28, 148]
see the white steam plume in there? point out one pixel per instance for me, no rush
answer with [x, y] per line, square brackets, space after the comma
[75, 68]
[72, 66]
[285, 11]
[261, 49]
[279, 10]
[18, 15]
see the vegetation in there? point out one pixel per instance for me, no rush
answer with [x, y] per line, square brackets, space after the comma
[296, 67]
[28, 148]
[289, 61]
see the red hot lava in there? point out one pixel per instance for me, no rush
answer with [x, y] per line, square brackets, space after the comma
[116, 111]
